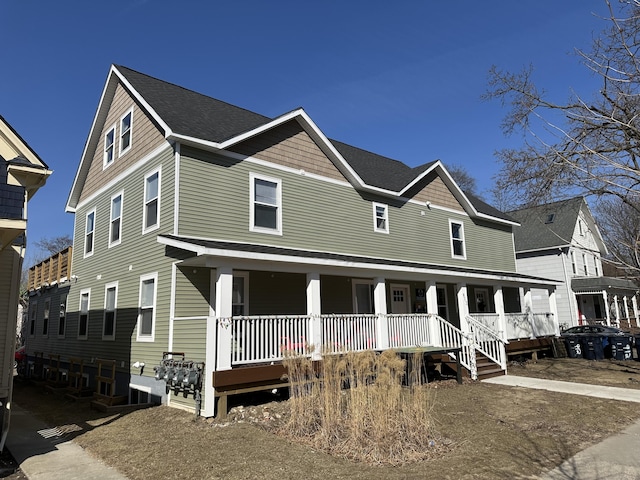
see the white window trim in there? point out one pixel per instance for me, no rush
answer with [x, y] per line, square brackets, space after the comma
[121, 152]
[82, 292]
[385, 217]
[33, 316]
[245, 293]
[139, 336]
[93, 238]
[146, 229]
[252, 227]
[115, 311]
[463, 239]
[105, 162]
[119, 241]
[574, 265]
[596, 267]
[66, 300]
[354, 284]
[46, 315]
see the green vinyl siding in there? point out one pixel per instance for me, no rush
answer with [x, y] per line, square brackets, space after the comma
[135, 256]
[284, 293]
[189, 338]
[327, 216]
[193, 291]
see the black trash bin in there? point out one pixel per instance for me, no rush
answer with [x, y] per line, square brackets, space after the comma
[592, 348]
[574, 347]
[637, 342]
[620, 348]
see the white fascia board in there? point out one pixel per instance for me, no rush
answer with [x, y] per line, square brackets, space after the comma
[544, 249]
[274, 258]
[93, 139]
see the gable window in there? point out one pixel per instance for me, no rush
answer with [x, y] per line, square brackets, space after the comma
[90, 227]
[125, 132]
[45, 317]
[116, 220]
[110, 305]
[33, 314]
[550, 218]
[266, 201]
[147, 311]
[151, 201]
[63, 315]
[574, 267]
[83, 320]
[380, 218]
[109, 147]
[457, 239]
[580, 227]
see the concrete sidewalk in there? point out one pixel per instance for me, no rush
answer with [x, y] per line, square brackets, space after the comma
[45, 454]
[615, 457]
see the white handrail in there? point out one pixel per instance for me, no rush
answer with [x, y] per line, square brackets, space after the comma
[488, 342]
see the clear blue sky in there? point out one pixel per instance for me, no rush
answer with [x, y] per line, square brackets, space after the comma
[402, 79]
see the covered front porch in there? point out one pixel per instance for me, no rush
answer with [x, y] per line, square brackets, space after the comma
[259, 307]
[606, 300]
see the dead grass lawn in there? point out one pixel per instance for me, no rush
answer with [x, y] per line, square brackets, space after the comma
[495, 433]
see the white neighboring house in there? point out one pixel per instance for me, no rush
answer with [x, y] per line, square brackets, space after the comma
[561, 240]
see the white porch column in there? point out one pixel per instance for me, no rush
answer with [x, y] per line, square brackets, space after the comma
[528, 309]
[432, 308]
[463, 306]
[314, 311]
[626, 310]
[634, 302]
[224, 311]
[616, 310]
[606, 307]
[498, 301]
[380, 309]
[553, 309]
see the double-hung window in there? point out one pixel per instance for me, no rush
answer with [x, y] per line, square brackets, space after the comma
[584, 265]
[83, 319]
[596, 269]
[147, 311]
[150, 215]
[63, 315]
[110, 305]
[115, 227]
[380, 218]
[45, 317]
[266, 205]
[89, 234]
[457, 239]
[109, 147]
[574, 267]
[33, 315]
[126, 123]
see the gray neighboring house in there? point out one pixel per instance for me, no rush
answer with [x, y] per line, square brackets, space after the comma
[561, 240]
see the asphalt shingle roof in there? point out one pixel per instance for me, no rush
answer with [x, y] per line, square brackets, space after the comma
[537, 232]
[196, 115]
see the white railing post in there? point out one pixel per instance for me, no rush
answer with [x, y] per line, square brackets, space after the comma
[606, 307]
[634, 303]
[314, 311]
[224, 311]
[210, 364]
[380, 306]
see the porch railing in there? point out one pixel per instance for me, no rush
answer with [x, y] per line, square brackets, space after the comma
[488, 342]
[259, 339]
[531, 325]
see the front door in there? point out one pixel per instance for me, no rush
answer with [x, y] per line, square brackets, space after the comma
[400, 301]
[443, 307]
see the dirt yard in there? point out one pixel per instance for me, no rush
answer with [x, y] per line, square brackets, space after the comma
[484, 431]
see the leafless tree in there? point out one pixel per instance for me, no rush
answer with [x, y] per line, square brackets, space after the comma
[462, 177]
[586, 146]
[54, 245]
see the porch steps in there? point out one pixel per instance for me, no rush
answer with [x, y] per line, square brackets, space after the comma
[486, 367]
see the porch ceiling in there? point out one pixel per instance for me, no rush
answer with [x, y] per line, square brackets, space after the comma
[214, 253]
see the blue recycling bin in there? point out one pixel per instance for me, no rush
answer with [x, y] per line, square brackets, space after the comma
[592, 348]
[574, 347]
[621, 348]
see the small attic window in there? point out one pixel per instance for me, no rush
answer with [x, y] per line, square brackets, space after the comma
[550, 218]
